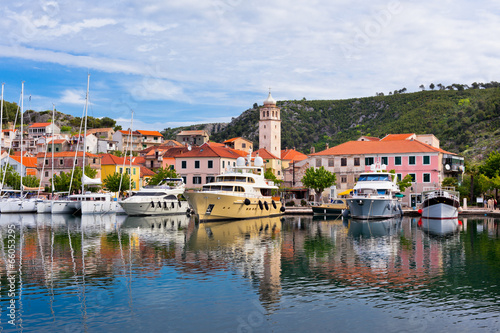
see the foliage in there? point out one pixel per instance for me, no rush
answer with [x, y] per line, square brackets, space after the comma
[31, 181]
[405, 183]
[63, 181]
[117, 153]
[65, 128]
[491, 166]
[318, 179]
[112, 182]
[449, 182]
[269, 175]
[161, 174]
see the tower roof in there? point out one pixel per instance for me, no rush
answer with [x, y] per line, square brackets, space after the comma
[270, 100]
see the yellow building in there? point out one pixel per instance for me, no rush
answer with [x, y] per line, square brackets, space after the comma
[270, 162]
[111, 164]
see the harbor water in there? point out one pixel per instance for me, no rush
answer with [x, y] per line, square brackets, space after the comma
[294, 274]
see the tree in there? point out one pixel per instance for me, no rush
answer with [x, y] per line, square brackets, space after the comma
[422, 87]
[161, 174]
[269, 175]
[63, 181]
[432, 86]
[112, 182]
[491, 166]
[318, 179]
[449, 182]
[405, 183]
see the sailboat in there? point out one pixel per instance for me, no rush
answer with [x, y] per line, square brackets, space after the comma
[87, 202]
[21, 204]
[45, 206]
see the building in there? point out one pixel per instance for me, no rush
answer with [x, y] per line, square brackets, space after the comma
[150, 138]
[240, 144]
[37, 130]
[201, 164]
[27, 168]
[270, 127]
[193, 138]
[111, 164]
[128, 140]
[102, 133]
[406, 155]
[289, 160]
[64, 162]
[106, 146]
[271, 162]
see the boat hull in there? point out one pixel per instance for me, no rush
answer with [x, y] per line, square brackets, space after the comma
[44, 207]
[64, 207]
[219, 206]
[97, 207]
[18, 206]
[328, 209]
[440, 208]
[165, 207]
[366, 208]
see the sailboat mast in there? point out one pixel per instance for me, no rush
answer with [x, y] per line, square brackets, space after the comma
[131, 145]
[85, 132]
[53, 120]
[22, 116]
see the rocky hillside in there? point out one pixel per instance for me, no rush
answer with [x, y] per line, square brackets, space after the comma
[466, 121]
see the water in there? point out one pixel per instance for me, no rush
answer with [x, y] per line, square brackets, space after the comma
[169, 274]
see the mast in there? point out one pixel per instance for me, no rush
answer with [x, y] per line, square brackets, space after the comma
[85, 133]
[1, 127]
[130, 166]
[22, 116]
[53, 120]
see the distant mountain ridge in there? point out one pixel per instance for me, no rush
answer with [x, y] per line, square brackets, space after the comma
[465, 120]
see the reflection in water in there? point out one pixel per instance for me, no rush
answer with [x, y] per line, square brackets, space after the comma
[439, 227]
[374, 228]
[99, 273]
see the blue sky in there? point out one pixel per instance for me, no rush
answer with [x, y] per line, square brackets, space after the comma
[185, 62]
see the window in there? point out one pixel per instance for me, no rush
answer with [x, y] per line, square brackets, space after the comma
[46, 162]
[196, 179]
[184, 179]
[426, 177]
[46, 173]
[426, 160]
[330, 162]
[385, 160]
[318, 162]
[243, 145]
[343, 161]
[121, 170]
[183, 164]
[413, 177]
[356, 161]
[196, 164]
[397, 160]
[210, 179]
[223, 164]
[343, 179]
[57, 149]
[368, 160]
[210, 164]
[128, 170]
[399, 176]
[134, 170]
[411, 160]
[61, 162]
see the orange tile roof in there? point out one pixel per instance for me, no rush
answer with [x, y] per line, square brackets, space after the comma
[371, 138]
[110, 159]
[128, 132]
[264, 153]
[139, 160]
[380, 147]
[150, 133]
[146, 172]
[206, 150]
[99, 130]
[31, 172]
[216, 144]
[396, 137]
[29, 162]
[292, 155]
[40, 125]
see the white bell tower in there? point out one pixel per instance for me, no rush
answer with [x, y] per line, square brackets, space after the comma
[270, 126]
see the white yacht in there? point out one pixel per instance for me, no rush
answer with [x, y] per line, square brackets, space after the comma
[240, 193]
[375, 195]
[440, 203]
[159, 199]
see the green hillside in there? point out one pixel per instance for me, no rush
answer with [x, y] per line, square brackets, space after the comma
[466, 121]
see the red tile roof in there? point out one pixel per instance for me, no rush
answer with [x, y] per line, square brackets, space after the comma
[35, 125]
[29, 162]
[396, 137]
[146, 172]
[110, 159]
[264, 153]
[207, 150]
[150, 133]
[292, 155]
[66, 154]
[371, 138]
[139, 160]
[127, 132]
[380, 147]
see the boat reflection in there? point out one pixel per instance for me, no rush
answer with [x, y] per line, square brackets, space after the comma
[159, 228]
[439, 227]
[367, 229]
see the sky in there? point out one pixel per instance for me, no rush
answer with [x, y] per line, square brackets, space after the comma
[178, 63]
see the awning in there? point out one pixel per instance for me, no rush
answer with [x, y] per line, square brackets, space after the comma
[399, 195]
[346, 192]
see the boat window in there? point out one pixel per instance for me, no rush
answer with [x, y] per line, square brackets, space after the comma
[217, 188]
[372, 178]
[239, 189]
[382, 192]
[149, 194]
[232, 179]
[170, 197]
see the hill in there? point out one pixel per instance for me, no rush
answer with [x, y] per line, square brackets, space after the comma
[466, 121]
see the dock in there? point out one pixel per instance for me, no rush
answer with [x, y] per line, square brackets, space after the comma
[406, 211]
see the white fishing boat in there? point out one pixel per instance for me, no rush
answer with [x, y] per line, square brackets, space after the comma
[159, 199]
[440, 203]
[240, 193]
[375, 195]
